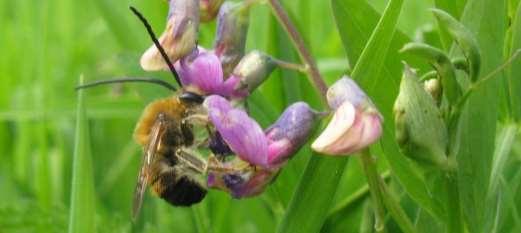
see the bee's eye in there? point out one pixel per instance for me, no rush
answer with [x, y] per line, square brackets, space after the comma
[192, 98]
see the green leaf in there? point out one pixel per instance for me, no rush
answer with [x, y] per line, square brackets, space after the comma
[452, 7]
[355, 19]
[82, 212]
[477, 127]
[506, 139]
[314, 192]
[464, 38]
[514, 80]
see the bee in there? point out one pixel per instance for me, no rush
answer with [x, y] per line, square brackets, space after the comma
[165, 131]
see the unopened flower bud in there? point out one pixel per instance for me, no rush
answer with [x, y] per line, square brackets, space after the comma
[232, 28]
[252, 70]
[433, 87]
[209, 9]
[290, 132]
[356, 122]
[179, 38]
[420, 130]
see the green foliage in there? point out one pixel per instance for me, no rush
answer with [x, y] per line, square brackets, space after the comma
[68, 162]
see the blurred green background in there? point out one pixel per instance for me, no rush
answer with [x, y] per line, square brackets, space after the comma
[46, 45]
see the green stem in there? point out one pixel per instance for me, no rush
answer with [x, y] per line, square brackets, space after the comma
[316, 79]
[382, 194]
[371, 174]
[291, 66]
[353, 198]
[396, 211]
[453, 205]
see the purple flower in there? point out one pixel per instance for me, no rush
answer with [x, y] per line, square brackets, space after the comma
[246, 139]
[290, 132]
[243, 135]
[260, 154]
[356, 122]
[179, 37]
[201, 72]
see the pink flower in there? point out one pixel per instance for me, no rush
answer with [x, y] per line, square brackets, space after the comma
[290, 132]
[260, 154]
[201, 72]
[246, 139]
[356, 123]
[243, 135]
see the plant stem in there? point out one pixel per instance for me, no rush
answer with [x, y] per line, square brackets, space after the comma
[353, 198]
[372, 179]
[291, 66]
[396, 211]
[453, 205]
[382, 196]
[314, 74]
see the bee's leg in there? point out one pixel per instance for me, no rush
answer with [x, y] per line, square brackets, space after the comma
[214, 165]
[192, 159]
[196, 119]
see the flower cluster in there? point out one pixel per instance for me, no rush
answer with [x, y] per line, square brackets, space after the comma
[246, 158]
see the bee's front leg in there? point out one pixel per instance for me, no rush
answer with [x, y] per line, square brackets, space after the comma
[196, 119]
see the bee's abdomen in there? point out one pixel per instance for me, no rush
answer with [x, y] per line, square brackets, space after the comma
[179, 191]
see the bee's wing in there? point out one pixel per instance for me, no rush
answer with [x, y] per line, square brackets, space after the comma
[156, 133]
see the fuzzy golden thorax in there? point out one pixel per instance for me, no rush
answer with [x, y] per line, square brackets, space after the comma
[172, 108]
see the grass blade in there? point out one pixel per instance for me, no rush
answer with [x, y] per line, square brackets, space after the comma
[478, 120]
[315, 192]
[82, 212]
[354, 20]
[514, 82]
[506, 140]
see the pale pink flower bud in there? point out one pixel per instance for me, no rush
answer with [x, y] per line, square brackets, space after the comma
[179, 37]
[356, 122]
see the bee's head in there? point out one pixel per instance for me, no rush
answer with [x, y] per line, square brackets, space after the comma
[188, 97]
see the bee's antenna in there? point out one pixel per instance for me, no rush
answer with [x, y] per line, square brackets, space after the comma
[123, 80]
[157, 44]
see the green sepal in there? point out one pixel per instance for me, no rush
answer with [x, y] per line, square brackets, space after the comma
[421, 132]
[443, 65]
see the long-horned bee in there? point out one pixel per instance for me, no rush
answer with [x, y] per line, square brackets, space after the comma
[165, 131]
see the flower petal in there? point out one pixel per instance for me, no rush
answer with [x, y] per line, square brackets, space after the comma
[345, 89]
[201, 71]
[372, 130]
[290, 132]
[339, 125]
[179, 37]
[243, 135]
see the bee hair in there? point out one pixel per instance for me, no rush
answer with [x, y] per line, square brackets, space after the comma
[157, 44]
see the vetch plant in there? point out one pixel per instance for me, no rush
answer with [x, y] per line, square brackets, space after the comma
[435, 149]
